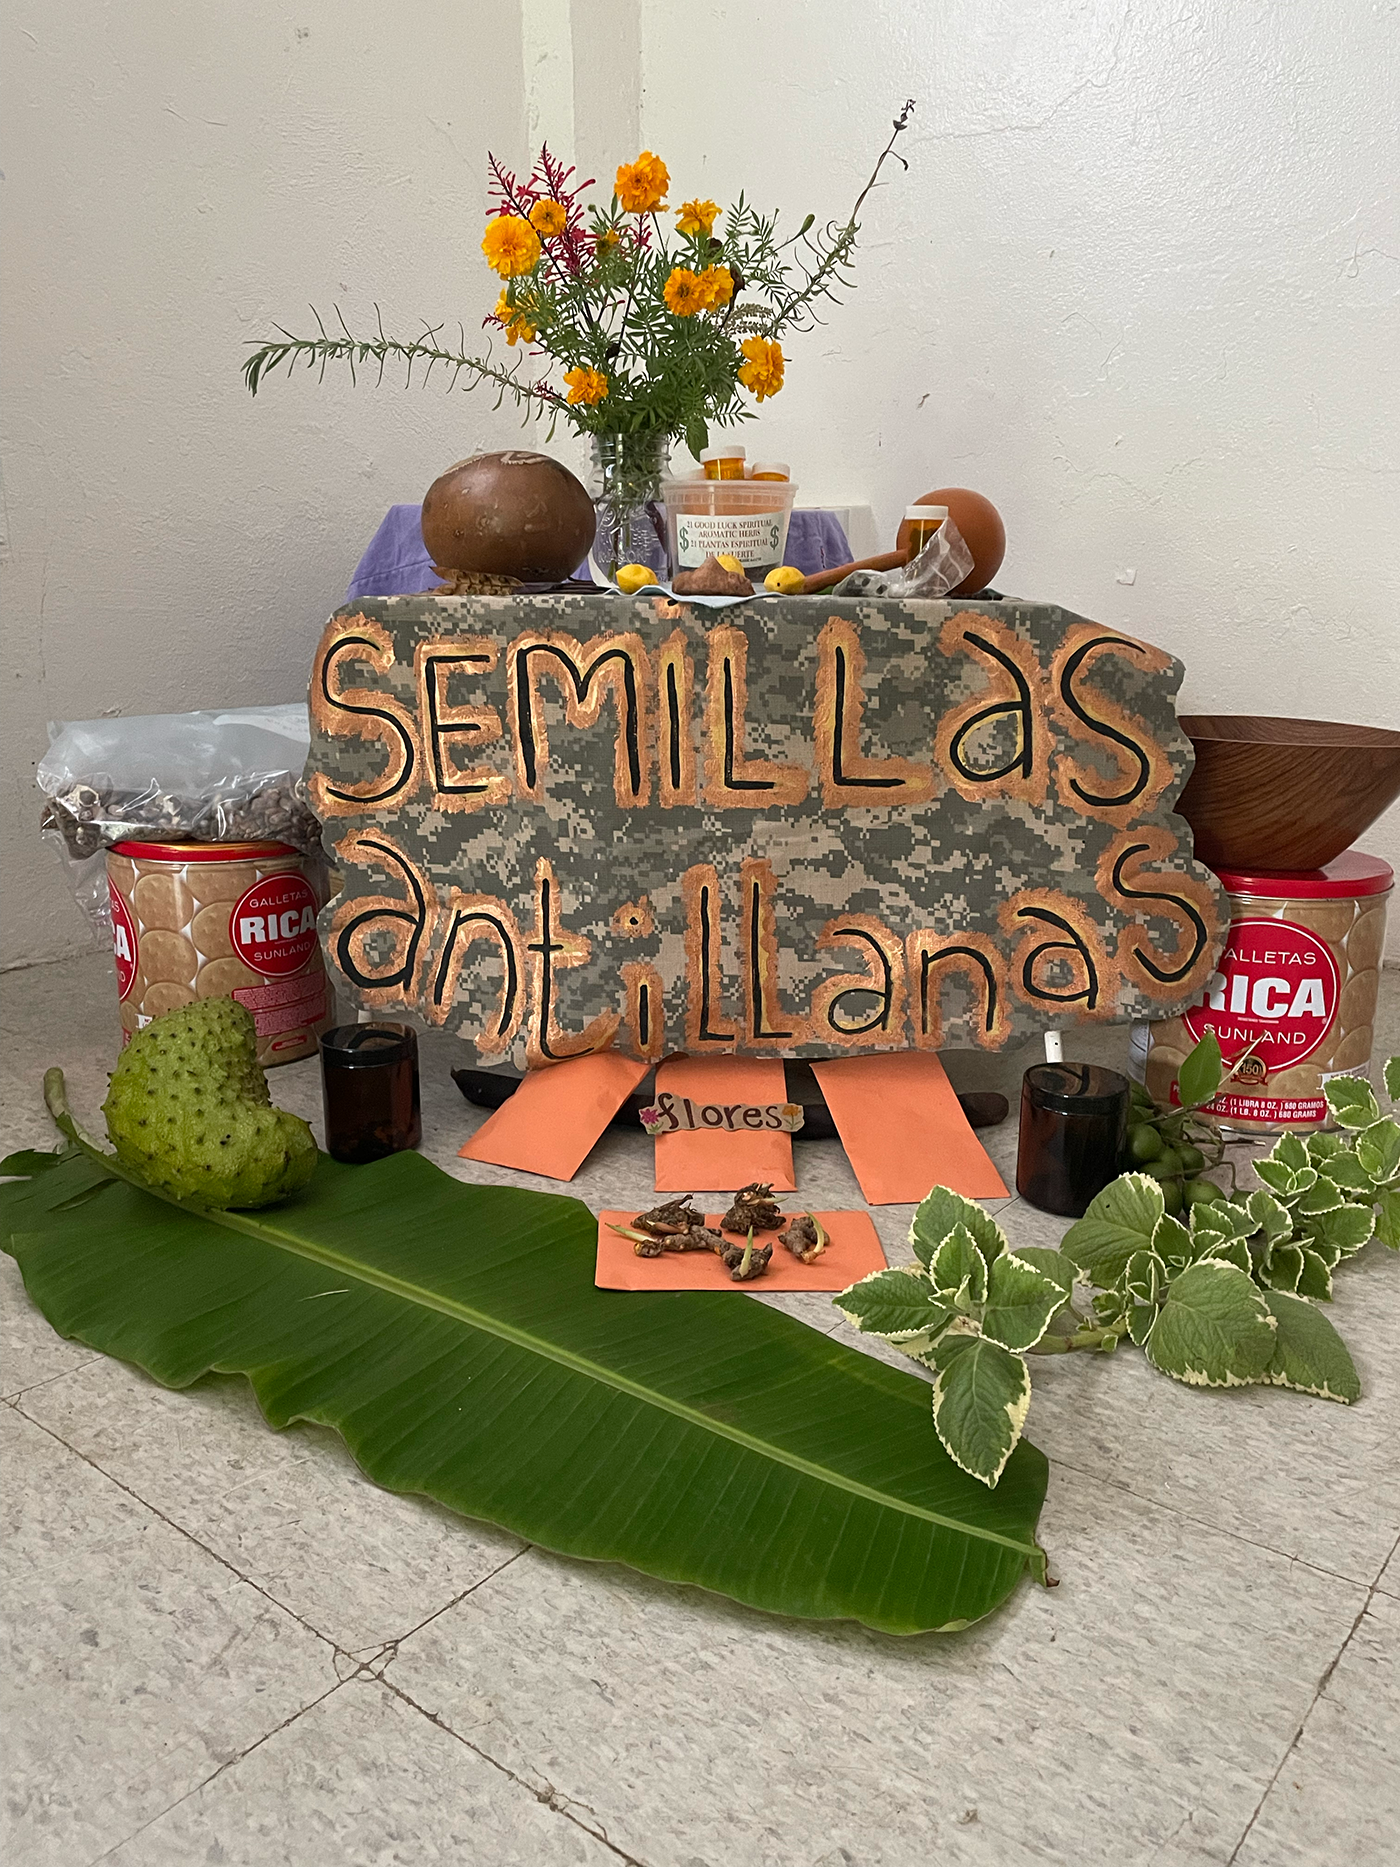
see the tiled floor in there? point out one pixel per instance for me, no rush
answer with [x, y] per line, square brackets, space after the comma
[228, 1647]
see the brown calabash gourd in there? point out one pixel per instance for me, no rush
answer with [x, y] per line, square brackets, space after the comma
[514, 514]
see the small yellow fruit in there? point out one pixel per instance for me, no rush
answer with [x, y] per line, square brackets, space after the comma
[786, 579]
[634, 577]
[730, 563]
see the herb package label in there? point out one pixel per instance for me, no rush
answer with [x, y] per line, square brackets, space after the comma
[755, 539]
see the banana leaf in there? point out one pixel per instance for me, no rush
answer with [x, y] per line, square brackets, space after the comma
[453, 1336]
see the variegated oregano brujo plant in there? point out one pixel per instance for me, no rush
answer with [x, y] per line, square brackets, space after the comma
[1224, 1299]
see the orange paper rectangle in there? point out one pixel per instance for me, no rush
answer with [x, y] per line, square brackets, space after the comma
[903, 1128]
[853, 1251]
[723, 1161]
[555, 1116]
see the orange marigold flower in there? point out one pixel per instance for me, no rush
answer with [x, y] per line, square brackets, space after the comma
[716, 286]
[696, 216]
[516, 320]
[607, 241]
[763, 372]
[586, 386]
[683, 294]
[642, 185]
[511, 246]
[549, 217]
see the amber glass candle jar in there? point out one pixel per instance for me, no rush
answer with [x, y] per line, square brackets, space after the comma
[723, 463]
[1074, 1126]
[369, 1084]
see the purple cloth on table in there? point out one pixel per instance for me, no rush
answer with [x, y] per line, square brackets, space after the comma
[395, 563]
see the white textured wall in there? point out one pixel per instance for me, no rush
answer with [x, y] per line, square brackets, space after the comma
[176, 177]
[1139, 286]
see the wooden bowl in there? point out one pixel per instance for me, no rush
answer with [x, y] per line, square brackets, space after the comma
[1284, 794]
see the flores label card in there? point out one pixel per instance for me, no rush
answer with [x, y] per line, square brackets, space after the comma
[670, 1114]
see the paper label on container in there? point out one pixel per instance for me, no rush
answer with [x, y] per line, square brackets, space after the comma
[285, 1004]
[273, 926]
[755, 538]
[1279, 1111]
[1276, 989]
[124, 944]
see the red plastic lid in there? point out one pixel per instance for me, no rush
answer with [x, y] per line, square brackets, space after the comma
[1352, 873]
[202, 852]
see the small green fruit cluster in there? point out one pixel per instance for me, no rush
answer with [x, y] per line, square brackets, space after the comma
[1163, 1143]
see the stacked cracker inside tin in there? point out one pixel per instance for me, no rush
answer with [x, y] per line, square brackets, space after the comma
[181, 910]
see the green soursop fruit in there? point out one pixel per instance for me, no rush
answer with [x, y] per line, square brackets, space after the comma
[189, 1111]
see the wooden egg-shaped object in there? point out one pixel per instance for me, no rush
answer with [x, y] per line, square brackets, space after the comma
[509, 515]
[980, 524]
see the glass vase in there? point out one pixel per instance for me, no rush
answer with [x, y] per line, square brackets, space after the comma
[626, 487]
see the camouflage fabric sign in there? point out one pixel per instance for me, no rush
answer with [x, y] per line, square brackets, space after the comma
[798, 827]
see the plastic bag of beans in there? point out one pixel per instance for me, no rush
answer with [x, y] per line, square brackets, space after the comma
[213, 777]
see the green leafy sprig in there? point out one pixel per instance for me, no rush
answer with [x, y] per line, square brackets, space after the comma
[1225, 1296]
[379, 350]
[971, 1308]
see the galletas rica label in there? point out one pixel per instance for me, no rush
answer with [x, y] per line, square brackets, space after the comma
[1276, 988]
[273, 927]
[123, 943]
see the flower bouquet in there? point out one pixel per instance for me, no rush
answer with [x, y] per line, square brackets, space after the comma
[655, 331]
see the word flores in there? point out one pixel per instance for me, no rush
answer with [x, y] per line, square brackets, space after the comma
[672, 1114]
